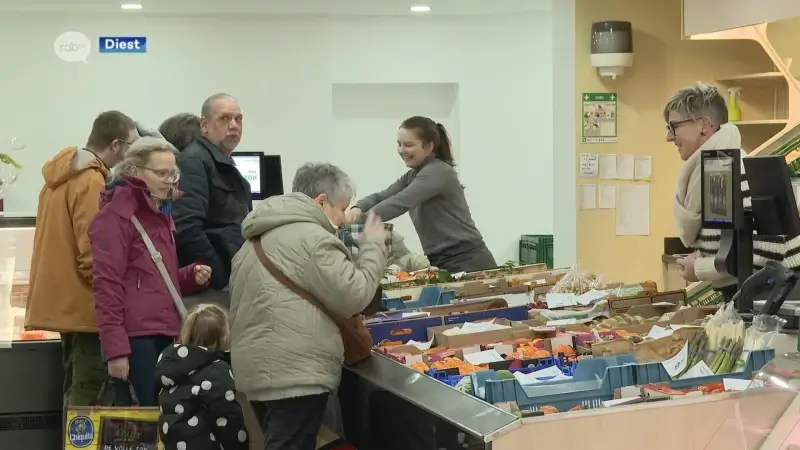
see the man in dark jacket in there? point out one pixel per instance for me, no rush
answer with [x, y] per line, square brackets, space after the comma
[216, 198]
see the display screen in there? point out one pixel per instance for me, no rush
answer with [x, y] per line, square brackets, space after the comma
[718, 189]
[250, 168]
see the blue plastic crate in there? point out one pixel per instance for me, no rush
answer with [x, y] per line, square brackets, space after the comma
[391, 329]
[594, 379]
[513, 313]
[429, 296]
[655, 372]
[480, 378]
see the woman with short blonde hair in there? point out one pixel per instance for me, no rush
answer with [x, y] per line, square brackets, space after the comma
[137, 314]
[697, 120]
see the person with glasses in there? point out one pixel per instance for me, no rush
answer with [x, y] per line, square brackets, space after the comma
[697, 120]
[137, 316]
[216, 198]
[60, 297]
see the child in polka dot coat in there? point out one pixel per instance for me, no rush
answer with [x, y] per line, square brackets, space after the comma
[198, 403]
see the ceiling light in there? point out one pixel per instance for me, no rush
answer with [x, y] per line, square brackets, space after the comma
[420, 8]
[131, 6]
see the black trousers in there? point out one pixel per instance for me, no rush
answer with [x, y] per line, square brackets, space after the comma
[292, 423]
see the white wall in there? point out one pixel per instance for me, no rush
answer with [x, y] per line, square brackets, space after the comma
[283, 70]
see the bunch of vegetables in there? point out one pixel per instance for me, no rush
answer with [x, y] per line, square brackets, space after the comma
[725, 339]
[697, 351]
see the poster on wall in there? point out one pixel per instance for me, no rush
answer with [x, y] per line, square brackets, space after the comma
[599, 117]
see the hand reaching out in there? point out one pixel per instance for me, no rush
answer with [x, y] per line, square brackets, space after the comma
[202, 274]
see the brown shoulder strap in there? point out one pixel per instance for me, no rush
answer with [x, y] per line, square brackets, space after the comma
[283, 279]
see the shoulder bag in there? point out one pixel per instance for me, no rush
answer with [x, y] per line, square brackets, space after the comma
[159, 262]
[355, 335]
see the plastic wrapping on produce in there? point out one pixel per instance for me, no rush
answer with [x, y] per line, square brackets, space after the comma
[766, 414]
[575, 281]
[599, 309]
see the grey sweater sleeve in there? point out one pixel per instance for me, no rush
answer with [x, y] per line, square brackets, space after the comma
[369, 202]
[427, 183]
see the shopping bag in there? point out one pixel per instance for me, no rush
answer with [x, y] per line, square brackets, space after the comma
[111, 427]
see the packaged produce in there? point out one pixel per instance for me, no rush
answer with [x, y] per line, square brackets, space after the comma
[724, 332]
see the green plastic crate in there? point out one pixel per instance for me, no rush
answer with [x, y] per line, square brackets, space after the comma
[536, 249]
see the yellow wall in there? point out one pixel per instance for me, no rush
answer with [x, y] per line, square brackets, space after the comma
[663, 63]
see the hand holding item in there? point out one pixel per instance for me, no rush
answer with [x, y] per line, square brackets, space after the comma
[353, 214]
[686, 266]
[202, 274]
[119, 368]
[374, 229]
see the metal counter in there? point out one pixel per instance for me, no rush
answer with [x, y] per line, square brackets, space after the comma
[32, 377]
[465, 413]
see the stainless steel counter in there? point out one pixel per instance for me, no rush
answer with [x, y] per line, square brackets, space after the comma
[465, 412]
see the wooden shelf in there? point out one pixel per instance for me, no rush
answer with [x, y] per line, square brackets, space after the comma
[747, 123]
[764, 79]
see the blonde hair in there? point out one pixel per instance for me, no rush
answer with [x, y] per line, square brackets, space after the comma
[138, 155]
[697, 101]
[206, 326]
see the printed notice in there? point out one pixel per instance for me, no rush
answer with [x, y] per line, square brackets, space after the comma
[608, 167]
[633, 210]
[589, 165]
[677, 363]
[599, 117]
[607, 196]
[588, 196]
[642, 168]
[625, 167]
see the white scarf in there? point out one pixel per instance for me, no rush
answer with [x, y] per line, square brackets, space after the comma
[687, 207]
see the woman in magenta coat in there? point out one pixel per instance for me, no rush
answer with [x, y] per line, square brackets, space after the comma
[136, 315]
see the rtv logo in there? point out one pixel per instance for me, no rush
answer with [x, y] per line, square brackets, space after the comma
[72, 46]
[111, 44]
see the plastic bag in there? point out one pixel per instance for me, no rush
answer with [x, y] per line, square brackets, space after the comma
[576, 282]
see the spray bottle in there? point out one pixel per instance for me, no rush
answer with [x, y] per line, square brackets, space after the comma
[734, 112]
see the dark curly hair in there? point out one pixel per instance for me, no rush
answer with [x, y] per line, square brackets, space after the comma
[181, 130]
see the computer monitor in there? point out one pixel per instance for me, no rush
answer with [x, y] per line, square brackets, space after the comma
[251, 166]
[720, 191]
[774, 205]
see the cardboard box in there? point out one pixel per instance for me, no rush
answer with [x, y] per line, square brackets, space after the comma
[622, 305]
[472, 339]
[653, 350]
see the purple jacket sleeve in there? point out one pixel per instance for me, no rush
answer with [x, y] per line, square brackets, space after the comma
[111, 238]
[186, 280]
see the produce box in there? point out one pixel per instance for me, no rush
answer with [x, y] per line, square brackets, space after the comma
[622, 305]
[402, 330]
[411, 290]
[102, 428]
[594, 380]
[655, 373]
[653, 350]
[458, 341]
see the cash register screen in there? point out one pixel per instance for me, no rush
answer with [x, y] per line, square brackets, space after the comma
[718, 189]
[250, 167]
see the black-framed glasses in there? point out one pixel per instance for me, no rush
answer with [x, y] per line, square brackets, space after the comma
[672, 126]
[129, 143]
[164, 174]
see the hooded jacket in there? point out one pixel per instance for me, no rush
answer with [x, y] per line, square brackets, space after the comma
[198, 401]
[60, 288]
[131, 297]
[282, 346]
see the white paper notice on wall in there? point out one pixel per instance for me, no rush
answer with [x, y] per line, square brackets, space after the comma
[589, 165]
[608, 167]
[642, 168]
[633, 210]
[588, 196]
[606, 196]
[625, 167]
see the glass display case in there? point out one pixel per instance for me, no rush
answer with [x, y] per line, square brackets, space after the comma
[30, 362]
[16, 248]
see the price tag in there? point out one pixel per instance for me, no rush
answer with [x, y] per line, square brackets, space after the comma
[677, 363]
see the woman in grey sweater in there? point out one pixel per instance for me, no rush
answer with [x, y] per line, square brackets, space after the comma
[434, 198]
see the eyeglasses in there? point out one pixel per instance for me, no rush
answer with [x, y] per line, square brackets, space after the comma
[125, 142]
[671, 126]
[164, 174]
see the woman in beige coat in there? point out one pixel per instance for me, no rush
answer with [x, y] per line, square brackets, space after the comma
[287, 354]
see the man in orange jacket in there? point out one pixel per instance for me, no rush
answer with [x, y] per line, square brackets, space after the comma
[60, 296]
